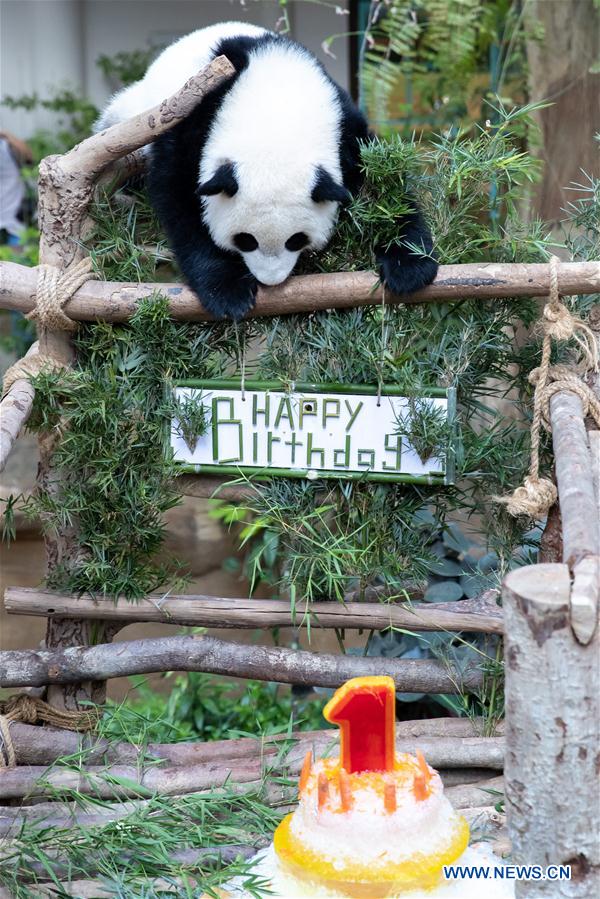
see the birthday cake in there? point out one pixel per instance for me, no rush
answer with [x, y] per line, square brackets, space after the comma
[371, 823]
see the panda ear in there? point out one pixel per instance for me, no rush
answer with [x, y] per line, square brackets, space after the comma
[326, 189]
[222, 182]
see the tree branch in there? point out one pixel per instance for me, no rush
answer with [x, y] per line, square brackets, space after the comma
[116, 301]
[15, 409]
[34, 746]
[480, 614]
[35, 668]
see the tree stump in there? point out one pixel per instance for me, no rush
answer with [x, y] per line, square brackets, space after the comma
[553, 715]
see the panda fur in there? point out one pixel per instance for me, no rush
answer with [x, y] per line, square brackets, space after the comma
[257, 172]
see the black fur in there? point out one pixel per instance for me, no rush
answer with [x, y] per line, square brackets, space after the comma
[326, 189]
[220, 278]
[223, 181]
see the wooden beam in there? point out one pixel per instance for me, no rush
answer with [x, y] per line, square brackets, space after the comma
[481, 615]
[552, 733]
[574, 478]
[34, 746]
[120, 781]
[578, 499]
[15, 409]
[36, 668]
[116, 301]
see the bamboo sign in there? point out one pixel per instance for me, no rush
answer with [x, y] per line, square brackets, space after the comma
[312, 430]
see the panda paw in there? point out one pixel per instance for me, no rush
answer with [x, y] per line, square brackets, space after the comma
[404, 272]
[229, 299]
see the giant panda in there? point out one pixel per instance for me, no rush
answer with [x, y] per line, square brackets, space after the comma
[257, 172]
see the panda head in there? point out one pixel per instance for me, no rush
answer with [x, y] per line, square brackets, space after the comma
[269, 221]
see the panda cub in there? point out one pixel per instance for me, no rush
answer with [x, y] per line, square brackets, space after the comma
[257, 172]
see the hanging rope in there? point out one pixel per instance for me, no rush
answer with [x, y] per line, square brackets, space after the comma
[54, 289]
[31, 710]
[537, 495]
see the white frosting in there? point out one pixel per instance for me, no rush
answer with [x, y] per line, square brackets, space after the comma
[417, 826]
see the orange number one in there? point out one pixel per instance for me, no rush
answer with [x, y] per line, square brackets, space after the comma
[364, 710]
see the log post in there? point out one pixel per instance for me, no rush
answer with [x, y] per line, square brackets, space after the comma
[66, 187]
[552, 734]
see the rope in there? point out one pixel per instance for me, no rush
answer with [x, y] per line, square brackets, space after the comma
[54, 289]
[535, 497]
[31, 710]
[28, 367]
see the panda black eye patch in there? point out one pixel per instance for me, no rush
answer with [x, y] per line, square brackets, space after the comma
[245, 242]
[296, 241]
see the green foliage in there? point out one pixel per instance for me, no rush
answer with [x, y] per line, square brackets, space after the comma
[75, 117]
[113, 417]
[314, 539]
[126, 67]
[149, 841]
[203, 707]
[426, 428]
[441, 62]
[190, 419]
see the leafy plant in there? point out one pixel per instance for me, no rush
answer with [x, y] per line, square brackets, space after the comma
[127, 66]
[203, 707]
[426, 428]
[190, 417]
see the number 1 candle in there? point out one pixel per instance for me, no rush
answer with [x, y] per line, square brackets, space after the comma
[364, 711]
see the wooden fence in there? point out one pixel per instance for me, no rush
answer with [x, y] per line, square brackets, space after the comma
[549, 746]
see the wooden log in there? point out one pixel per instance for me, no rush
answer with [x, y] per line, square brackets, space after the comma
[481, 614]
[477, 795]
[66, 185]
[34, 746]
[579, 510]
[122, 781]
[15, 409]
[117, 301]
[71, 814]
[553, 723]
[212, 487]
[35, 668]
[61, 868]
[575, 479]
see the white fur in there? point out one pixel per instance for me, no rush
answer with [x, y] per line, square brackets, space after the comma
[171, 70]
[279, 122]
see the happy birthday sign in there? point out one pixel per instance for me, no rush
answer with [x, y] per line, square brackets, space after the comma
[332, 431]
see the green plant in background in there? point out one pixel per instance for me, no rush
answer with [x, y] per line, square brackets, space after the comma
[127, 66]
[431, 63]
[203, 707]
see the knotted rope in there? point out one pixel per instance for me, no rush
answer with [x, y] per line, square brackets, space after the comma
[28, 367]
[31, 710]
[55, 287]
[537, 495]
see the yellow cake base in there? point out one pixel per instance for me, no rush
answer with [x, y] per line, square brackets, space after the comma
[363, 881]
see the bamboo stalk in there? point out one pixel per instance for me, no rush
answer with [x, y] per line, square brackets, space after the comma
[116, 301]
[480, 614]
[35, 668]
[34, 746]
